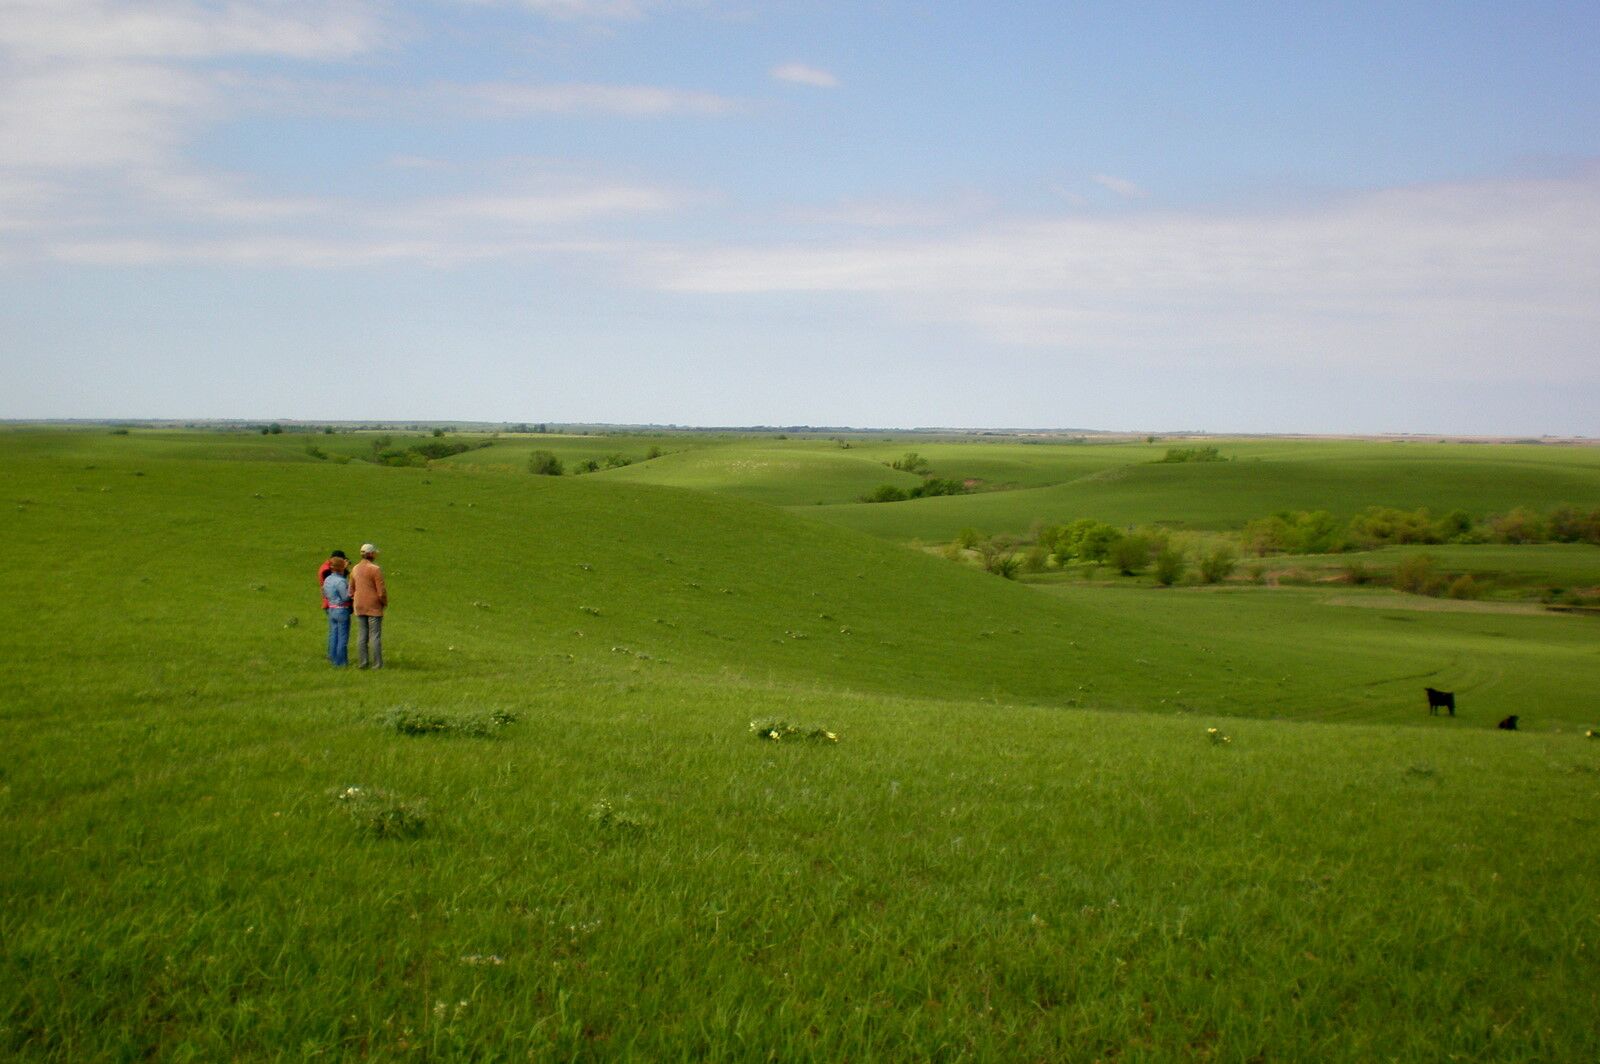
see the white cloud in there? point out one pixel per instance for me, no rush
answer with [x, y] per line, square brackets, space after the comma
[443, 232]
[802, 74]
[71, 116]
[1120, 185]
[506, 98]
[1458, 278]
[597, 10]
[583, 9]
[897, 213]
[106, 29]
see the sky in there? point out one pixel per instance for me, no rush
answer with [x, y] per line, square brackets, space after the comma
[1228, 217]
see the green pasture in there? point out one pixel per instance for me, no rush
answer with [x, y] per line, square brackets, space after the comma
[1224, 495]
[1026, 844]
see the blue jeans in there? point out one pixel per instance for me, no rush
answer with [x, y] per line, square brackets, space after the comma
[369, 642]
[339, 636]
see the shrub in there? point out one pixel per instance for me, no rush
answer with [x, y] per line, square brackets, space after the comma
[886, 493]
[1170, 566]
[617, 461]
[1568, 524]
[968, 538]
[1192, 454]
[1082, 540]
[653, 452]
[1418, 576]
[1003, 563]
[935, 486]
[1378, 526]
[1036, 558]
[1521, 525]
[119, 432]
[545, 464]
[1217, 564]
[911, 462]
[1129, 553]
[316, 452]
[1464, 587]
[588, 465]
[1357, 573]
[1298, 532]
[1455, 527]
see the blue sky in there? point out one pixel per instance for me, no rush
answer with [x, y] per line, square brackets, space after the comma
[1235, 217]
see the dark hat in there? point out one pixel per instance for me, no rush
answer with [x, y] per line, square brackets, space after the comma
[338, 554]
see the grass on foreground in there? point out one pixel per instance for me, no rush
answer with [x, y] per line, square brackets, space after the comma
[950, 881]
[214, 846]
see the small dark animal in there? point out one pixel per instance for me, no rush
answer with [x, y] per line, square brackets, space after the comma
[1509, 724]
[1438, 700]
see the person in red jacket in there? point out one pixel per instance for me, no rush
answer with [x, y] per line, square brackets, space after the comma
[327, 567]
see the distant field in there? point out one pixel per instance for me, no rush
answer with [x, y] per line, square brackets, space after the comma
[1263, 479]
[1025, 845]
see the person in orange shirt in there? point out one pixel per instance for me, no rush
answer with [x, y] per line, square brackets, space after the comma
[371, 597]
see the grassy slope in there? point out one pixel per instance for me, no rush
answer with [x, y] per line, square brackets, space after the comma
[954, 880]
[1343, 478]
[781, 476]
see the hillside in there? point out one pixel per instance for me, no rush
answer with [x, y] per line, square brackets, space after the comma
[532, 573]
[213, 846]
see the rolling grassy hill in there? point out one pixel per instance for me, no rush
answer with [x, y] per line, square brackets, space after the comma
[987, 865]
[1341, 478]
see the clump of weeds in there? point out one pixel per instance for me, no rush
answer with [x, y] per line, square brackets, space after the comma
[605, 816]
[773, 731]
[382, 814]
[406, 720]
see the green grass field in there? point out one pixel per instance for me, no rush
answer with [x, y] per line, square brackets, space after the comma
[1025, 845]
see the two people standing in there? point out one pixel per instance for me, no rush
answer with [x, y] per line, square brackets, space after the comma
[361, 592]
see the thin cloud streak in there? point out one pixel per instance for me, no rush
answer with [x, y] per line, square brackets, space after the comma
[1460, 277]
[802, 74]
[1120, 185]
[507, 99]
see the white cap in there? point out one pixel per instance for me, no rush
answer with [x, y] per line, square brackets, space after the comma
[367, 548]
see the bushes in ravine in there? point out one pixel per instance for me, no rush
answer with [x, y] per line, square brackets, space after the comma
[1130, 553]
[930, 487]
[912, 462]
[420, 454]
[1192, 454]
[545, 464]
[1293, 532]
[886, 493]
[1418, 575]
[1218, 563]
[1083, 540]
[1170, 565]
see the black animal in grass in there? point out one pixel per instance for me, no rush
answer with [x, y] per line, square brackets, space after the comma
[1509, 724]
[1438, 700]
